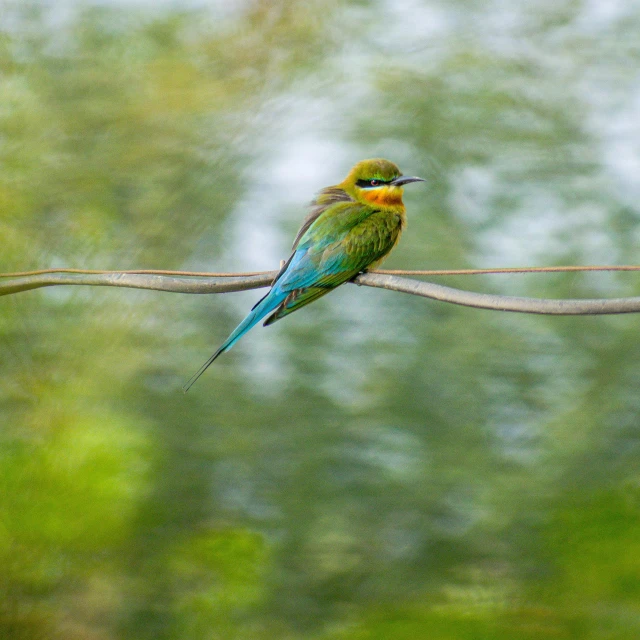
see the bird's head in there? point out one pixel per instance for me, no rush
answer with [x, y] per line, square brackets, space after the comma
[376, 181]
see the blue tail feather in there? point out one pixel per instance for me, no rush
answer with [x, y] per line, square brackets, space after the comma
[262, 308]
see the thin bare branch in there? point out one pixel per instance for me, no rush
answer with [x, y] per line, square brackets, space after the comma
[543, 306]
[179, 284]
[234, 282]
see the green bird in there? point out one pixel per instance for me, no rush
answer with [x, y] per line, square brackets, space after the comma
[351, 227]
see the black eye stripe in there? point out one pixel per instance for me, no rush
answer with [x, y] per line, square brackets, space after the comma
[372, 182]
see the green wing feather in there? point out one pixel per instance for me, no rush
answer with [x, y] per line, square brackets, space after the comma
[339, 243]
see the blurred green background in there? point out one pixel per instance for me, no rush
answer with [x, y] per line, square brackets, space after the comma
[377, 466]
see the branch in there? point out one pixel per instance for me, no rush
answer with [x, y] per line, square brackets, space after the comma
[545, 306]
[203, 283]
[139, 280]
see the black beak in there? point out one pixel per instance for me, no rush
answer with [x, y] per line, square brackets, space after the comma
[402, 180]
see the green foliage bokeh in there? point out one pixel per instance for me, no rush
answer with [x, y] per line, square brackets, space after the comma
[377, 466]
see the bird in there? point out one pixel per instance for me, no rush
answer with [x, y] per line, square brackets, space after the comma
[351, 227]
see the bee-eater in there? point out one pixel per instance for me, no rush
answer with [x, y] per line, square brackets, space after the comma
[351, 227]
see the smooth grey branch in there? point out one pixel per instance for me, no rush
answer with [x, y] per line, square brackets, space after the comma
[545, 306]
[174, 284]
[217, 284]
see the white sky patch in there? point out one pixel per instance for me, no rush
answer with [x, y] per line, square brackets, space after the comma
[471, 192]
[599, 14]
[619, 129]
[527, 234]
[409, 25]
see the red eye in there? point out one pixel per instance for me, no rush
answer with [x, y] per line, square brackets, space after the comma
[374, 183]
